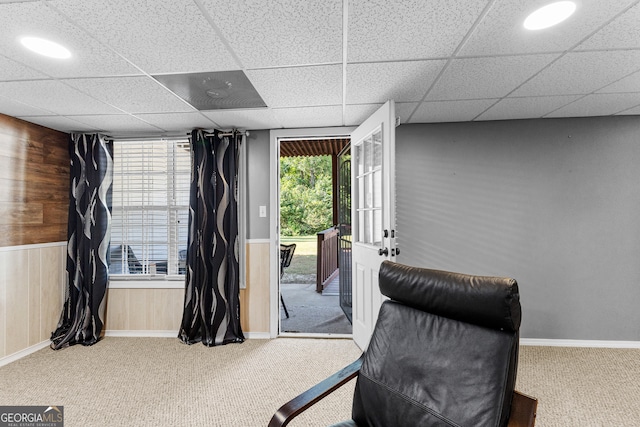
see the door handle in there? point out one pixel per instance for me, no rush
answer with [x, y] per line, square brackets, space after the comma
[384, 251]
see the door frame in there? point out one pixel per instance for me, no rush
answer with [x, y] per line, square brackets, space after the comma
[274, 210]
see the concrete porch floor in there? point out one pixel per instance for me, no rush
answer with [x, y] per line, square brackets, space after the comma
[312, 312]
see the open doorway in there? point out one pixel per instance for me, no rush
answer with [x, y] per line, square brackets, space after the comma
[315, 217]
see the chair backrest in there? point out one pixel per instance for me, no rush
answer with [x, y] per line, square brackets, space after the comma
[444, 350]
[286, 255]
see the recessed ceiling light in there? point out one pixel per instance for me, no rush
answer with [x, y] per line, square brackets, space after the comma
[45, 47]
[549, 15]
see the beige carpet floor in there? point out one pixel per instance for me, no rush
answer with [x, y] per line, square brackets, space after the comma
[161, 382]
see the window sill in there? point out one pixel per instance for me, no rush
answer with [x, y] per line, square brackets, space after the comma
[146, 282]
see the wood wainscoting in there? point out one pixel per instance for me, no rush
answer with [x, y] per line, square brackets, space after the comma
[158, 311]
[32, 284]
[254, 300]
[34, 183]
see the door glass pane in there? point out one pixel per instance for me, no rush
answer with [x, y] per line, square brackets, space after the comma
[377, 227]
[362, 192]
[367, 227]
[367, 154]
[360, 156]
[368, 202]
[377, 149]
[377, 189]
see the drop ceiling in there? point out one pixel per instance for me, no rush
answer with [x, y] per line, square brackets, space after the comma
[316, 63]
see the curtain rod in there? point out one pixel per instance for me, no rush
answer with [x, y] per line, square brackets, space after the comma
[147, 138]
[234, 132]
[229, 133]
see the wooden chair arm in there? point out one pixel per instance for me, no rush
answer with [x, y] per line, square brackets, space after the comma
[523, 410]
[298, 404]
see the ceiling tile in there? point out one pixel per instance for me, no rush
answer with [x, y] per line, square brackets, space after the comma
[473, 78]
[630, 83]
[355, 115]
[631, 111]
[163, 36]
[400, 81]
[54, 96]
[14, 108]
[526, 108]
[501, 30]
[12, 70]
[450, 111]
[299, 86]
[89, 58]
[621, 33]
[581, 73]
[261, 118]
[282, 33]
[61, 123]
[599, 105]
[390, 30]
[404, 110]
[138, 94]
[309, 117]
[116, 123]
[177, 121]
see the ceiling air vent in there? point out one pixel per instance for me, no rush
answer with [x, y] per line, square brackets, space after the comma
[214, 91]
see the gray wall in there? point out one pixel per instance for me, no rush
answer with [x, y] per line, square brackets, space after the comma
[554, 203]
[257, 183]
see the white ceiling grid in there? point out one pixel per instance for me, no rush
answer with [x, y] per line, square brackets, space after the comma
[440, 60]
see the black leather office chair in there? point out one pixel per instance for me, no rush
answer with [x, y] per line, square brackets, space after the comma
[444, 352]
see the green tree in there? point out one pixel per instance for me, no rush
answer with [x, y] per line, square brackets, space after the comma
[305, 195]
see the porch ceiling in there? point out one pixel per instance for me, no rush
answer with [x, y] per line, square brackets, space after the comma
[312, 147]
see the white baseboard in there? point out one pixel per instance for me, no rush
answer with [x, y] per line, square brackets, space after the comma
[579, 343]
[141, 333]
[171, 334]
[257, 335]
[22, 353]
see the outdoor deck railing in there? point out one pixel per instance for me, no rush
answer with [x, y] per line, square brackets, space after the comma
[327, 257]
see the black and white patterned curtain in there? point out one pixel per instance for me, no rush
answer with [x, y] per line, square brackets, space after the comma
[88, 235]
[212, 286]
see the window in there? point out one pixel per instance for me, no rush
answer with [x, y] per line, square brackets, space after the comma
[150, 207]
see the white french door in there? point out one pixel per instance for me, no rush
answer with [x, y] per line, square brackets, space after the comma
[373, 214]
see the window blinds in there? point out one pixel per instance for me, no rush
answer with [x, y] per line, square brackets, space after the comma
[150, 207]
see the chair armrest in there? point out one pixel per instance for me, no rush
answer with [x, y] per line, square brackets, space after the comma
[523, 410]
[298, 404]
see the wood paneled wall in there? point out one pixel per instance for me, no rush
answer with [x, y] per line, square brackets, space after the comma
[34, 183]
